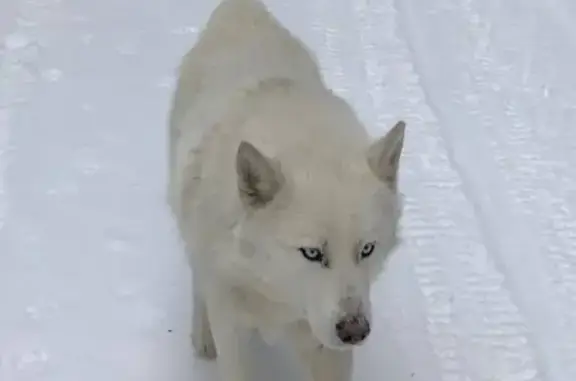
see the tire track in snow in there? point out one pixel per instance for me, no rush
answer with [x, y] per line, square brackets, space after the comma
[541, 144]
[490, 340]
[474, 78]
[19, 354]
[64, 274]
[6, 20]
[4, 159]
[14, 43]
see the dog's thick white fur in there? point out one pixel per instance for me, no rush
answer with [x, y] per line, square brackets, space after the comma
[287, 209]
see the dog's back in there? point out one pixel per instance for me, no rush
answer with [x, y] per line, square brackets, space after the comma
[241, 46]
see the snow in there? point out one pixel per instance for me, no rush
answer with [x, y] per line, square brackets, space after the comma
[93, 282]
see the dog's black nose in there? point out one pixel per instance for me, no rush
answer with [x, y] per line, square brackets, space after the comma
[353, 329]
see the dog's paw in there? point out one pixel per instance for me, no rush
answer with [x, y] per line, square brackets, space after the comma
[204, 347]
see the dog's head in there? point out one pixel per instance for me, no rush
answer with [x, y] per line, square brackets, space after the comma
[318, 239]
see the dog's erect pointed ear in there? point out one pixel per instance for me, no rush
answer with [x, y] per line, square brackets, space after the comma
[258, 180]
[384, 155]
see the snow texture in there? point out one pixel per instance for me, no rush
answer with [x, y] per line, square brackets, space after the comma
[94, 285]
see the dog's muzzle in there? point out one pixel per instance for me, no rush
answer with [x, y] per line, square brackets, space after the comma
[352, 329]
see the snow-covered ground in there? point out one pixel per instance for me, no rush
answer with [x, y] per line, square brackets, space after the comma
[93, 283]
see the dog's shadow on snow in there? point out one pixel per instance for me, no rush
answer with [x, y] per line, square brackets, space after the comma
[380, 358]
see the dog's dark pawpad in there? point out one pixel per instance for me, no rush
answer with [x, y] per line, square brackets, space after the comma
[204, 347]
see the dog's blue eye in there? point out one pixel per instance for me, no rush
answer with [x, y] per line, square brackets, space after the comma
[367, 250]
[312, 254]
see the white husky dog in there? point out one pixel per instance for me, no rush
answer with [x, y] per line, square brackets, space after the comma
[288, 211]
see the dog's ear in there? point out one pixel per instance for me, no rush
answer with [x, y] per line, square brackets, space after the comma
[384, 155]
[258, 180]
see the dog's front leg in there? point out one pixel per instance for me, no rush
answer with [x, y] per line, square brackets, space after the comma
[322, 363]
[202, 338]
[230, 337]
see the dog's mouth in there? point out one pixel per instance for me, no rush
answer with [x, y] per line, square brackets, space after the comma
[342, 346]
[346, 341]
